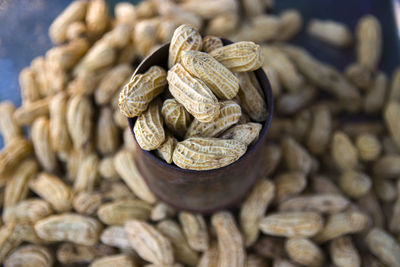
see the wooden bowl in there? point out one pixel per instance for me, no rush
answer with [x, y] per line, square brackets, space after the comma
[209, 190]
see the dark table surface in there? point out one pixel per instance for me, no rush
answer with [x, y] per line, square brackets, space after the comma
[24, 25]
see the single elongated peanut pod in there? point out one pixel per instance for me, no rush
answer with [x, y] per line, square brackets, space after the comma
[355, 184]
[340, 224]
[149, 243]
[369, 42]
[384, 246]
[289, 184]
[193, 94]
[60, 138]
[391, 115]
[332, 32]
[240, 56]
[304, 251]
[217, 77]
[69, 227]
[9, 128]
[29, 210]
[149, 130]
[375, 98]
[41, 139]
[229, 115]
[141, 90]
[230, 241]
[120, 211]
[344, 153]
[343, 252]
[29, 86]
[79, 120]
[324, 203]
[54, 190]
[176, 116]
[97, 18]
[185, 38]
[205, 153]
[195, 229]
[254, 208]
[252, 97]
[290, 224]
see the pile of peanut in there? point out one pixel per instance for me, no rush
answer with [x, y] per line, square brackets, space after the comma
[329, 193]
[195, 80]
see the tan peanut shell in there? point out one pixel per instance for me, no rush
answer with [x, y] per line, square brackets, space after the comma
[384, 246]
[292, 103]
[13, 153]
[343, 252]
[284, 67]
[28, 112]
[387, 166]
[369, 42]
[111, 83]
[176, 118]
[76, 11]
[340, 224]
[17, 185]
[331, 32]
[246, 133]
[290, 23]
[319, 134]
[240, 56]
[143, 36]
[70, 253]
[391, 115]
[292, 224]
[375, 97]
[119, 260]
[141, 90]
[323, 203]
[161, 211]
[29, 210]
[217, 77]
[231, 250]
[193, 94]
[296, 157]
[97, 18]
[120, 211]
[149, 130]
[182, 251]
[223, 25]
[79, 120]
[87, 174]
[149, 243]
[185, 38]
[8, 126]
[210, 257]
[126, 168]
[41, 139]
[229, 115]
[355, 184]
[251, 96]
[86, 203]
[107, 133]
[166, 150]
[115, 236]
[344, 153]
[53, 190]
[71, 227]
[60, 139]
[304, 251]
[202, 153]
[211, 42]
[30, 255]
[289, 184]
[253, 208]
[195, 229]
[29, 86]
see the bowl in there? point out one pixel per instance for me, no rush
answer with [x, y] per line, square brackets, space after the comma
[209, 190]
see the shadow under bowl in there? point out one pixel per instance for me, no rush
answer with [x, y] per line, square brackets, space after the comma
[209, 190]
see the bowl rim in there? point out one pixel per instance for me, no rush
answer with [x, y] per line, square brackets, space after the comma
[268, 97]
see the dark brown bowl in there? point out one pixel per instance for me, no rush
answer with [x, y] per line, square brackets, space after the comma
[202, 191]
